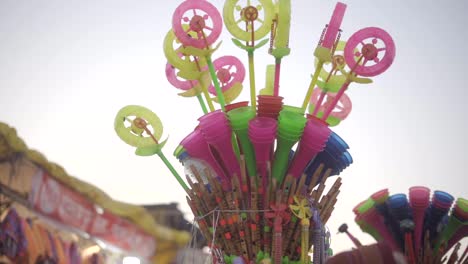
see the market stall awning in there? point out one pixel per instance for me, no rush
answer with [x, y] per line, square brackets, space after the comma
[52, 192]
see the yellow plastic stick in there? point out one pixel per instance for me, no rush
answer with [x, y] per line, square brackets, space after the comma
[312, 85]
[253, 96]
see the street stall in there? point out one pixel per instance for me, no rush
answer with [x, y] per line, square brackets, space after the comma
[40, 201]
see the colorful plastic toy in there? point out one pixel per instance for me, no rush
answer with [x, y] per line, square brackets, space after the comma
[369, 52]
[326, 47]
[244, 169]
[421, 228]
[279, 42]
[207, 33]
[203, 19]
[301, 209]
[231, 73]
[249, 32]
[340, 111]
[190, 67]
[145, 122]
[192, 87]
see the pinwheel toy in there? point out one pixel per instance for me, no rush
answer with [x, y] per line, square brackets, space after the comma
[326, 47]
[240, 21]
[255, 175]
[329, 83]
[139, 134]
[231, 73]
[191, 88]
[340, 111]
[301, 209]
[207, 33]
[368, 54]
[190, 67]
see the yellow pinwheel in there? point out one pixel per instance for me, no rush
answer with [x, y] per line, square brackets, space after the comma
[301, 209]
[141, 128]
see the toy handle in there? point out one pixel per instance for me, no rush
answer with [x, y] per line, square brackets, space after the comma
[335, 100]
[304, 241]
[334, 25]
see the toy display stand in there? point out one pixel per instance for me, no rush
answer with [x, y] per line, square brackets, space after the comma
[256, 171]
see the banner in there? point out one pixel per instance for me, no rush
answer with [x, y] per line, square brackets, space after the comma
[53, 199]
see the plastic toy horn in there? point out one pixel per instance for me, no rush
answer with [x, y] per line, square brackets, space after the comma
[279, 42]
[206, 27]
[241, 22]
[368, 54]
[327, 44]
[139, 135]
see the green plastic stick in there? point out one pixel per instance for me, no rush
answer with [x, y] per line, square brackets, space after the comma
[253, 91]
[174, 172]
[219, 92]
[202, 103]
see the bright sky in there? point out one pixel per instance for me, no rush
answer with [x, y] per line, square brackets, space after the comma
[67, 67]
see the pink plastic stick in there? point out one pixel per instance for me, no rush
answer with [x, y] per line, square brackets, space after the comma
[335, 100]
[319, 102]
[277, 77]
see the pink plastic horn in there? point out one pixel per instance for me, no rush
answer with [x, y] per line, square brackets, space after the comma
[313, 141]
[197, 147]
[217, 132]
[419, 201]
[262, 134]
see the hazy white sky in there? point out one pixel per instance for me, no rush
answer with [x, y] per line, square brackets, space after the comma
[67, 67]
